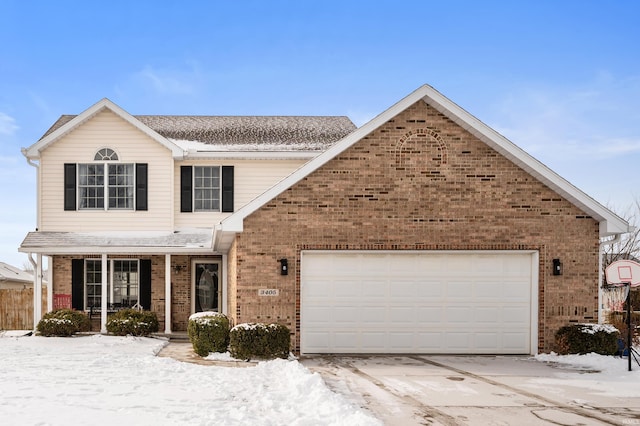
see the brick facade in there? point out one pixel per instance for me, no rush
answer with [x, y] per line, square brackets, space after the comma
[419, 182]
[181, 282]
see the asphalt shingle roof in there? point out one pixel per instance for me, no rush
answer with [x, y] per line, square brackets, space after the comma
[315, 133]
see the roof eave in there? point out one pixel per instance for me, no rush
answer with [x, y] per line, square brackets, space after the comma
[33, 152]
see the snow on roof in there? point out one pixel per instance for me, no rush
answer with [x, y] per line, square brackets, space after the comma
[244, 133]
[150, 242]
[11, 273]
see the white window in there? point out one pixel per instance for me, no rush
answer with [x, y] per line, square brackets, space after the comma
[123, 283]
[206, 188]
[116, 189]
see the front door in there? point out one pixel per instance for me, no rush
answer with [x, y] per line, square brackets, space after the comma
[207, 286]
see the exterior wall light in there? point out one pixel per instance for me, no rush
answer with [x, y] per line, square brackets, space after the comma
[284, 267]
[557, 267]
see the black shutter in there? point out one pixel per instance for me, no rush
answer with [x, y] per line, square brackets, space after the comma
[77, 284]
[145, 284]
[186, 173]
[227, 189]
[69, 186]
[141, 187]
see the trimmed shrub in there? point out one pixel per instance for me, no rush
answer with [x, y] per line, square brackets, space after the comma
[63, 322]
[132, 322]
[257, 340]
[208, 332]
[586, 338]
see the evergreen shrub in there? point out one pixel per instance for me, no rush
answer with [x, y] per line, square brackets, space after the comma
[257, 340]
[63, 322]
[208, 332]
[133, 322]
[586, 338]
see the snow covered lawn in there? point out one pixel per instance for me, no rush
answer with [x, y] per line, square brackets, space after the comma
[107, 380]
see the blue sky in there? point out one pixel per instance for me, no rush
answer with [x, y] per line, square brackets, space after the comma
[561, 79]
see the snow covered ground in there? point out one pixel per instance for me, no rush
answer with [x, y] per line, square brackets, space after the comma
[108, 380]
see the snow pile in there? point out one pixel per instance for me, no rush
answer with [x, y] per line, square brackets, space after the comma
[106, 380]
[606, 375]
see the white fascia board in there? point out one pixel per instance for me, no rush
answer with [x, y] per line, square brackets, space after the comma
[33, 152]
[53, 250]
[610, 223]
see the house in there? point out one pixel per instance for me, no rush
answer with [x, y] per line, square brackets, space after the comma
[423, 231]
[12, 278]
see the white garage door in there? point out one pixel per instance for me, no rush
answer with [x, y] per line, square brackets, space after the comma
[418, 302]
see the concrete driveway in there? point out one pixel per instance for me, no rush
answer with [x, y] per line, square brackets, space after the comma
[473, 390]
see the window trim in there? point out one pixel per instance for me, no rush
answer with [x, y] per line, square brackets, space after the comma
[71, 189]
[187, 189]
[106, 196]
[213, 189]
[110, 283]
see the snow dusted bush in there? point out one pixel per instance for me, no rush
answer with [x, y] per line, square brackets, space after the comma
[208, 332]
[257, 340]
[586, 338]
[63, 322]
[133, 322]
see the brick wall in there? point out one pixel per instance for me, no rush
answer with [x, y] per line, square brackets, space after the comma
[418, 182]
[180, 284]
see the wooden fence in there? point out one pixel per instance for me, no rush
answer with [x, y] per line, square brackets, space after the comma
[16, 309]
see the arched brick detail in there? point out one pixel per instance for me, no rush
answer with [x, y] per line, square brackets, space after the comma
[421, 151]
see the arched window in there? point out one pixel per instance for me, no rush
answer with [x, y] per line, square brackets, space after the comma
[106, 154]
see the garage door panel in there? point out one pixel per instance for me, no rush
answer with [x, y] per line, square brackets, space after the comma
[373, 314]
[430, 314]
[376, 289]
[486, 341]
[459, 289]
[402, 315]
[416, 302]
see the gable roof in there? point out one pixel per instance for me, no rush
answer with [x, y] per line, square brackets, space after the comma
[67, 123]
[197, 134]
[11, 273]
[610, 223]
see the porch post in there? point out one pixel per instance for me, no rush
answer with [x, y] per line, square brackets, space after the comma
[37, 290]
[167, 294]
[49, 285]
[225, 294]
[103, 301]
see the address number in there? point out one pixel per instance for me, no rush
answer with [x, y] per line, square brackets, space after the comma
[268, 292]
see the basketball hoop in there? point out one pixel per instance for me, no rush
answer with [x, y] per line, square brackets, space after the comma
[614, 296]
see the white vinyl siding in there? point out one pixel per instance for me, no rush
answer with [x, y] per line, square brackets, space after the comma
[418, 302]
[80, 146]
[251, 178]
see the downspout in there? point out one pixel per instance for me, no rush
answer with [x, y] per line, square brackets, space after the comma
[37, 291]
[37, 167]
[37, 265]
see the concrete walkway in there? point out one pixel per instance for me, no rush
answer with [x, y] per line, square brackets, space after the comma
[183, 351]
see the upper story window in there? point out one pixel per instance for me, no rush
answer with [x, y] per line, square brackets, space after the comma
[106, 154]
[206, 189]
[105, 185]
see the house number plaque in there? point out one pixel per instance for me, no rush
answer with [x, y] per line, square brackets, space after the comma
[268, 292]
